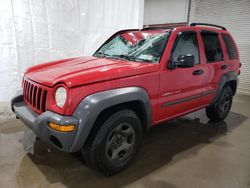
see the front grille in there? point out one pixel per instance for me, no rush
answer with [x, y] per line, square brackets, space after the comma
[35, 96]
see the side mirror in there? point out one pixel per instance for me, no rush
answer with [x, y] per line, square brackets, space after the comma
[183, 61]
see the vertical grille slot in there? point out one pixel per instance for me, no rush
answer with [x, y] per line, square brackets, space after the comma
[38, 98]
[31, 93]
[35, 96]
[24, 89]
[28, 92]
[44, 100]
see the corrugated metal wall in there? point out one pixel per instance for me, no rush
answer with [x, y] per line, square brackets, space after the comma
[235, 16]
[165, 11]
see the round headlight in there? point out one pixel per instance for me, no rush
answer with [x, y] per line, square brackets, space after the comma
[61, 96]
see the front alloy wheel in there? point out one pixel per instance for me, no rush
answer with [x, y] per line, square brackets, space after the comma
[114, 146]
[120, 142]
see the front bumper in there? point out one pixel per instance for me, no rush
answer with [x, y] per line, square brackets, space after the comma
[39, 124]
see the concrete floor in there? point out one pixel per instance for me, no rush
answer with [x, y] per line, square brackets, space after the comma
[187, 152]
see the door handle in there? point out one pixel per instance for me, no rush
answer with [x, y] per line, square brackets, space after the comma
[223, 67]
[198, 72]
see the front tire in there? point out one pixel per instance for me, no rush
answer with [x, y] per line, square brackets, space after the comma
[116, 143]
[221, 108]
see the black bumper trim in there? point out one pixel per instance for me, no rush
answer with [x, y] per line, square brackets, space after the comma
[39, 124]
[18, 98]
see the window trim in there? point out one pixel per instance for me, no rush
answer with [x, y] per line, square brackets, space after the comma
[178, 36]
[212, 33]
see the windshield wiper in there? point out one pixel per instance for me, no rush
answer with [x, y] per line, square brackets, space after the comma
[101, 54]
[122, 56]
[132, 58]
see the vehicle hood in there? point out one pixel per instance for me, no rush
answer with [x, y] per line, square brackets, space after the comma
[86, 70]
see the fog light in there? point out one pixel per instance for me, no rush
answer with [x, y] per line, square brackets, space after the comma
[62, 128]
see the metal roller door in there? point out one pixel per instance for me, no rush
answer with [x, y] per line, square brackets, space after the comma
[235, 16]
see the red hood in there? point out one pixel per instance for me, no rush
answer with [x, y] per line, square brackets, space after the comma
[85, 70]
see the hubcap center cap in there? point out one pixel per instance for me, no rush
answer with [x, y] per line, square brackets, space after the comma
[118, 140]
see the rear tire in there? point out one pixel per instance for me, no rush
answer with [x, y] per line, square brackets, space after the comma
[221, 108]
[115, 144]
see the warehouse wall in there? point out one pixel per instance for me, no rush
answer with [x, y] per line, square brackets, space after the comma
[36, 31]
[165, 11]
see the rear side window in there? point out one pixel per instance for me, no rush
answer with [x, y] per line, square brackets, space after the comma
[212, 47]
[231, 50]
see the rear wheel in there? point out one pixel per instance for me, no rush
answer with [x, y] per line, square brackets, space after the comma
[116, 143]
[221, 108]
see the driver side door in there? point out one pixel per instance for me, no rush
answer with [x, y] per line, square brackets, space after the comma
[180, 88]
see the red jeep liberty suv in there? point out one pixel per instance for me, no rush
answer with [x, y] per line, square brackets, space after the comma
[101, 105]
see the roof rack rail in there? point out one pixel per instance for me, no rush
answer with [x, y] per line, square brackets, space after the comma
[152, 28]
[164, 26]
[206, 24]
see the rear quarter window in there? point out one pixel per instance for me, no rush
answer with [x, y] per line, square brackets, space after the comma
[231, 50]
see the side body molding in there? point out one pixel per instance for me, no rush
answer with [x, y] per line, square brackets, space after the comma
[227, 77]
[89, 109]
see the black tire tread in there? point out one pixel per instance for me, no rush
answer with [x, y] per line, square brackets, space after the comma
[212, 111]
[90, 150]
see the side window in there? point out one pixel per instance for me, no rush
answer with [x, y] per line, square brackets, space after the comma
[187, 43]
[212, 46]
[231, 50]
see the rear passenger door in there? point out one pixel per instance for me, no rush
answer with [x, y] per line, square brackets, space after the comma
[216, 65]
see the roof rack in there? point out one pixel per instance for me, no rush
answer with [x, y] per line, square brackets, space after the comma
[164, 26]
[206, 24]
[155, 28]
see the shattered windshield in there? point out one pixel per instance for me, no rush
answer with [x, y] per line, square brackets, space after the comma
[146, 48]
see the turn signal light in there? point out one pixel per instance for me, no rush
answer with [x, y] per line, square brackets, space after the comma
[62, 128]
